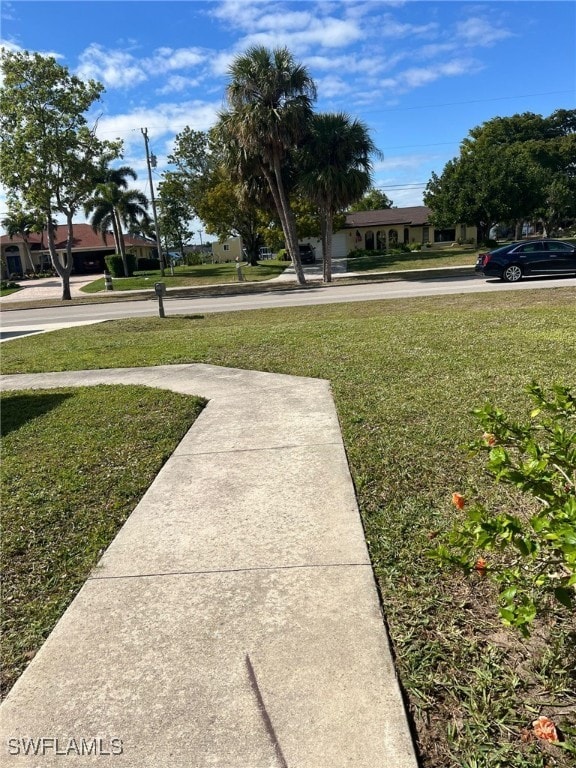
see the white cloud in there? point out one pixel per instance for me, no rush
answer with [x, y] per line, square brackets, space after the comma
[115, 69]
[480, 32]
[389, 27]
[416, 77]
[333, 86]
[176, 84]
[121, 69]
[162, 120]
[167, 60]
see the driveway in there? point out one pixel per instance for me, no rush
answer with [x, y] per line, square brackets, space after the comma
[47, 288]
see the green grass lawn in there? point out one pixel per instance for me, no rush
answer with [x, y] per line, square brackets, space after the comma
[405, 376]
[74, 464]
[203, 274]
[7, 288]
[424, 259]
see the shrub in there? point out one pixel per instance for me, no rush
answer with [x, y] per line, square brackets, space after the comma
[147, 264]
[193, 259]
[536, 564]
[399, 249]
[116, 267]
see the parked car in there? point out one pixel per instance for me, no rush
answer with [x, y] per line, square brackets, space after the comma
[528, 258]
[307, 255]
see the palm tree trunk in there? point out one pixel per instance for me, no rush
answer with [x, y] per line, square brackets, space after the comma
[121, 243]
[290, 224]
[28, 252]
[328, 224]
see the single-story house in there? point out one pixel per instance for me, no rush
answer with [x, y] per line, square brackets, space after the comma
[378, 230]
[374, 230]
[88, 250]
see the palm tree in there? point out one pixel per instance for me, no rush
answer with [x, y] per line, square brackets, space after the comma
[18, 222]
[113, 205]
[335, 170]
[270, 105]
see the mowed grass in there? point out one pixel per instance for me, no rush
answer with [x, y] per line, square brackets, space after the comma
[74, 464]
[424, 259]
[405, 375]
[203, 274]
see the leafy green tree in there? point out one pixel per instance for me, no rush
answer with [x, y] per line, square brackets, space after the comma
[373, 200]
[485, 187]
[270, 100]
[48, 153]
[505, 171]
[175, 214]
[201, 185]
[226, 211]
[334, 170]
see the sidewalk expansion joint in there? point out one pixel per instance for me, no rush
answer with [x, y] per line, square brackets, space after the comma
[216, 571]
[288, 446]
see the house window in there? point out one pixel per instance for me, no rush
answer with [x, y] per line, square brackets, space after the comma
[425, 234]
[226, 247]
[463, 232]
[392, 238]
[381, 240]
[369, 239]
[406, 235]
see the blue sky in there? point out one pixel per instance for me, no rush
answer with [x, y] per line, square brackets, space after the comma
[419, 74]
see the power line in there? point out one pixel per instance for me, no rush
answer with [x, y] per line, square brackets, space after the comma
[415, 185]
[178, 126]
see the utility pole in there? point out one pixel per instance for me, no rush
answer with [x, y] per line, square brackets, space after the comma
[149, 162]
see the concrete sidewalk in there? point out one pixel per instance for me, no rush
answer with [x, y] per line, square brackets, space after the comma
[234, 621]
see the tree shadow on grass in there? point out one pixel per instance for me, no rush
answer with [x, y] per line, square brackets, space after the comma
[17, 409]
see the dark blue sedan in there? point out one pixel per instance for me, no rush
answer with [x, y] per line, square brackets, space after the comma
[528, 258]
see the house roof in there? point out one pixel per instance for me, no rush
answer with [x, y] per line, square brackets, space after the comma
[415, 216]
[84, 239]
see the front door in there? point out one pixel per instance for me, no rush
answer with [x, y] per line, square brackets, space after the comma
[13, 264]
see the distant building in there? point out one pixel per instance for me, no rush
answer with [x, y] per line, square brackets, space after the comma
[379, 230]
[88, 250]
[374, 231]
[228, 250]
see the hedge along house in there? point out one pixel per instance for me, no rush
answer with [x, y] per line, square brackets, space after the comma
[390, 227]
[88, 250]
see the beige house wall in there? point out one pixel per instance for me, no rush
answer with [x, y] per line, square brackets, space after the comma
[383, 237]
[229, 250]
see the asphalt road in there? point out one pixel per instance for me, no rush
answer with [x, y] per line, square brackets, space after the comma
[23, 322]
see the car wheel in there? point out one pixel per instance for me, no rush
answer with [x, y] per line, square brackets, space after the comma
[512, 273]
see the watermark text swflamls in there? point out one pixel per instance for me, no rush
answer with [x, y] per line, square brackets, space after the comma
[54, 745]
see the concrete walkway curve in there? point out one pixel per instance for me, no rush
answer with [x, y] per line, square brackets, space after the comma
[234, 621]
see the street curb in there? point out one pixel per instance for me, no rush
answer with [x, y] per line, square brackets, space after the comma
[237, 289]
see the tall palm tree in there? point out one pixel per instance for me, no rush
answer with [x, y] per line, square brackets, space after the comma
[335, 170]
[113, 205]
[270, 100]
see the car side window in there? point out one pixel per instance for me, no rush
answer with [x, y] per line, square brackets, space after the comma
[529, 248]
[563, 247]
